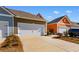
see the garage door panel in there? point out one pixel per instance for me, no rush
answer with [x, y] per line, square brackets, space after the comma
[29, 26]
[29, 32]
[63, 29]
[25, 32]
[30, 29]
[3, 29]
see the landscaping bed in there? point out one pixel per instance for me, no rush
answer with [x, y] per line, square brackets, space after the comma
[12, 43]
[70, 39]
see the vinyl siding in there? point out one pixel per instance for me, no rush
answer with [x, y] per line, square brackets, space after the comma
[10, 22]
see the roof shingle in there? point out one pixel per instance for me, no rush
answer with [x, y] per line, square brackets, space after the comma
[56, 20]
[25, 14]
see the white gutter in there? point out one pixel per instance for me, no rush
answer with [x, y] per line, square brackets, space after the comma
[29, 18]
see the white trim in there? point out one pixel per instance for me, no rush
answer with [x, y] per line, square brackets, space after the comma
[63, 23]
[13, 24]
[7, 10]
[57, 28]
[8, 29]
[67, 19]
[60, 20]
[5, 15]
[28, 18]
[46, 28]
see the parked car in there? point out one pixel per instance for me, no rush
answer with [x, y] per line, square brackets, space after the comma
[73, 32]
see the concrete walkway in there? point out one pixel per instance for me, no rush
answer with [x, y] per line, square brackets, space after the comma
[47, 44]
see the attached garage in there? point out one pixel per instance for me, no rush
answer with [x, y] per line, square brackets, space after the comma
[63, 29]
[63, 24]
[21, 23]
[30, 29]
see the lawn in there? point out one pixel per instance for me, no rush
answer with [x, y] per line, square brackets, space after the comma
[70, 39]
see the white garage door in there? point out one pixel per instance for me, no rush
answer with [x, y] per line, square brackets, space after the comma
[62, 30]
[30, 29]
[3, 29]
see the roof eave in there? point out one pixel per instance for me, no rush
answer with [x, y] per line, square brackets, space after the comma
[6, 9]
[29, 18]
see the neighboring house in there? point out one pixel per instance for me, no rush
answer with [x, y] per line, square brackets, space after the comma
[61, 25]
[21, 23]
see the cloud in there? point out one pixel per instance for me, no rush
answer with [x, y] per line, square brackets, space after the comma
[56, 12]
[68, 11]
[50, 18]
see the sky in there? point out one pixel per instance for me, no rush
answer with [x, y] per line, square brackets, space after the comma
[51, 12]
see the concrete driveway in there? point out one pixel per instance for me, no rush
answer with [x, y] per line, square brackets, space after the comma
[47, 44]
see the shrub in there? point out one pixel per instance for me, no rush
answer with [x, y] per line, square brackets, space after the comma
[10, 42]
[59, 34]
[66, 33]
[71, 34]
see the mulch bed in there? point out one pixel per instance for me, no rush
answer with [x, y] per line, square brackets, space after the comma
[12, 43]
[70, 39]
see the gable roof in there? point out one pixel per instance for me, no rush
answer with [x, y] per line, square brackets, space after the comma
[56, 20]
[59, 18]
[4, 11]
[39, 15]
[26, 15]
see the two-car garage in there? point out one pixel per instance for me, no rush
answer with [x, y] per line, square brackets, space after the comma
[30, 29]
[21, 23]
